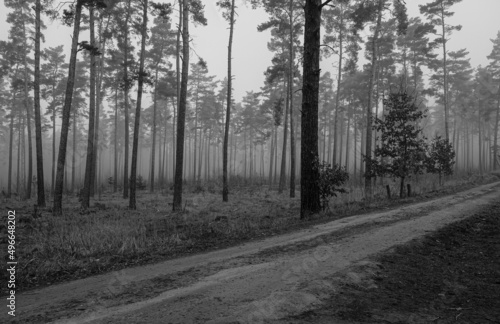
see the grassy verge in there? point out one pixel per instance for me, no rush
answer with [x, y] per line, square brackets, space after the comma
[109, 237]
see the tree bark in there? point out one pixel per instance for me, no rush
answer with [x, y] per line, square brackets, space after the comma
[290, 87]
[127, 122]
[309, 172]
[339, 80]
[181, 119]
[11, 142]
[140, 83]
[95, 179]
[61, 160]
[285, 137]
[225, 186]
[90, 140]
[369, 113]
[153, 145]
[445, 73]
[29, 179]
[495, 135]
[38, 119]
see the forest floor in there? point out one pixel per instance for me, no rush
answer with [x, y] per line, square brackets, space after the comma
[298, 275]
[109, 237]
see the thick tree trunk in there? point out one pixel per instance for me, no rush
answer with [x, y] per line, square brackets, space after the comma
[181, 119]
[140, 83]
[225, 186]
[91, 136]
[309, 173]
[61, 160]
[38, 119]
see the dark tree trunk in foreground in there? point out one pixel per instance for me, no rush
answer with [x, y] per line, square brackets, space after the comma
[140, 82]
[225, 187]
[38, 120]
[181, 115]
[90, 140]
[61, 159]
[309, 173]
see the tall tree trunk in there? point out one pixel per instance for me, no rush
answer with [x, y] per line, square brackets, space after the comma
[479, 140]
[445, 73]
[115, 182]
[496, 163]
[140, 83]
[339, 82]
[127, 122]
[369, 113]
[153, 146]
[347, 142]
[178, 81]
[271, 159]
[38, 119]
[102, 42]
[282, 183]
[11, 144]
[225, 186]
[73, 157]
[181, 119]
[309, 173]
[18, 175]
[91, 136]
[61, 160]
[290, 87]
[53, 150]
[29, 179]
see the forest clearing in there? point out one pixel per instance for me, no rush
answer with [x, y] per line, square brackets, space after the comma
[186, 154]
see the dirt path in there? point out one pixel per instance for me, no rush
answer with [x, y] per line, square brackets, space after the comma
[251, 283]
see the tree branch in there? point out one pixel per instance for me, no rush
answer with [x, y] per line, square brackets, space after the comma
[325, 3]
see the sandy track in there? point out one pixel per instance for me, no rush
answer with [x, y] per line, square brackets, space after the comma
[290, 277]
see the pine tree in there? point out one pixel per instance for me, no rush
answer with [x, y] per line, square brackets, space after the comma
[438, 11]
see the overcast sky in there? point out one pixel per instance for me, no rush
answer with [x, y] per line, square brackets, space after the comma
[251, 58]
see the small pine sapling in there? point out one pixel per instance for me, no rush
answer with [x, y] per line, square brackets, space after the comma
[401, 151]
[440, 157]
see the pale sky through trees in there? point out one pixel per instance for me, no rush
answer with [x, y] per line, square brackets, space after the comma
[251, 58]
